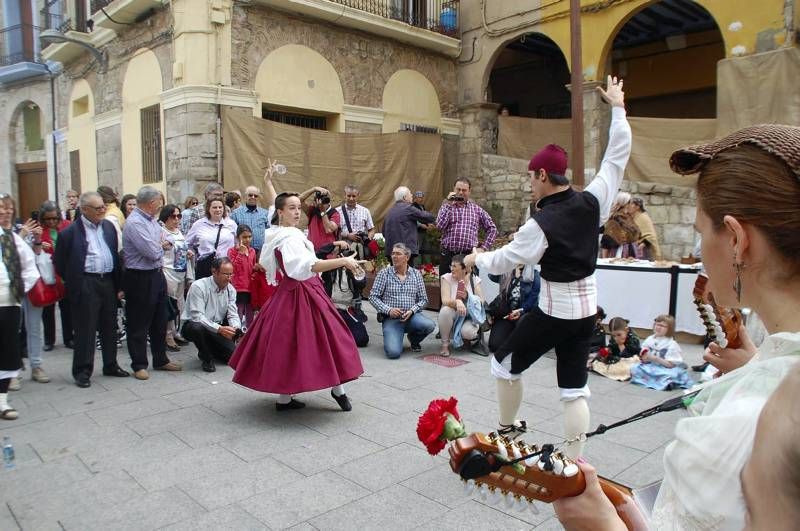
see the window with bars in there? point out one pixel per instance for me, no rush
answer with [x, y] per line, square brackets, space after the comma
[151, 144]
[298, 120]
[416, 128]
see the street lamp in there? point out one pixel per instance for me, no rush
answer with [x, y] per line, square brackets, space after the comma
[56, 37]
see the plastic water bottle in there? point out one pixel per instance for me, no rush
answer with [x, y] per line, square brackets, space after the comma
[8, 453]
[280, 169]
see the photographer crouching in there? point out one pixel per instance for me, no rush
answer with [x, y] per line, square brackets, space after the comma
[323, 228]
[357, 229]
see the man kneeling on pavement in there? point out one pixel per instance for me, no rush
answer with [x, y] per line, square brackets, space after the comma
[399, 296]
[210, 319]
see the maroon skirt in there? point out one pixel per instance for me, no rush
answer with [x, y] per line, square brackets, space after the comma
[297, 343]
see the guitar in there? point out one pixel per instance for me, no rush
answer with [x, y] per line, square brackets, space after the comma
[722, 324]
[484, 463]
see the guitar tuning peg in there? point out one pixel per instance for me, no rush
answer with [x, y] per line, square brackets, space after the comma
[515, 450]
[509, 500]
[484, 492]
[558, 466]
[522, 504]
[469, 487]
[532, 506]
[570, 470]
[531, 461]
[494, 497]
[501, 449]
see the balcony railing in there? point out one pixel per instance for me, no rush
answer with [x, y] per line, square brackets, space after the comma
[57, 16]
[18, 44]
[440, 16]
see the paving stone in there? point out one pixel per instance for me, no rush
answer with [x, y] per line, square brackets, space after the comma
[150, 511]
[231, 518]
[214, 429]
[329, 419]
[116, 415]
[206, 394]
[160, 472]
[69, 405]
[45, 509]
[28, 414]
[314, 457]
[402, 428]
[7, 520]
[161, 422]
[141, 450]
[393, 508]
[441, 485]
[392, 465]
[272, 438]
[43, 478]
[611, 459]
[644, 472]
[240, 481]
[473, 515]
[288, 505]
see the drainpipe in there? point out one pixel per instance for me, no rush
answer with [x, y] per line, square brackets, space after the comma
[53, 123]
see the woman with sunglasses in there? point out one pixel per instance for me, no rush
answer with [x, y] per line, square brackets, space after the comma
[176, 260]
[52, 224]
[298, 342]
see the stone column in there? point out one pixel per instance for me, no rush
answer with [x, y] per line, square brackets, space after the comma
[478, 136]
[190, 144]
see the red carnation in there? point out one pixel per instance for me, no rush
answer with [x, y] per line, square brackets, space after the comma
[439, 423]
[603, 352]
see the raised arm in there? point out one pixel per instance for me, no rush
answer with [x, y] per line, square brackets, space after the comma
[269, 189]
[527, 247]
[612, 169]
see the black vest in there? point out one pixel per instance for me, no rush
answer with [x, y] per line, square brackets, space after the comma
[570, 222]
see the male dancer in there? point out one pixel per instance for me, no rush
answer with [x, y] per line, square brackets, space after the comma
[562, 237]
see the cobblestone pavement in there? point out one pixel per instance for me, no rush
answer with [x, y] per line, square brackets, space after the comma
[191, 450]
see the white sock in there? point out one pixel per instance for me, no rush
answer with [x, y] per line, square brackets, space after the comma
[576, 422]
[4, 401]
[338, 390]
[509, 397]
[284, 399]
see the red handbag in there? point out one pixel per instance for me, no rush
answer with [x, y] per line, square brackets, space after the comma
[42, 294]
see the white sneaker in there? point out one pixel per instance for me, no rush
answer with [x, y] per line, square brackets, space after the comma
[15, 385]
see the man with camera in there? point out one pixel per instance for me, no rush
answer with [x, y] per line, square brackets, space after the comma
[357, 229]
[210, 319]
[459, 221]
[323, 228]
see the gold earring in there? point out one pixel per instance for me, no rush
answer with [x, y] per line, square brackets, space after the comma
[737, 283]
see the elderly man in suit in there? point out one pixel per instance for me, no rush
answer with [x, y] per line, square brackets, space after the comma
[86, 258]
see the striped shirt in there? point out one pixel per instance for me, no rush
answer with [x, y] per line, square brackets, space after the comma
[389, 291]
[98, 256]
[460, 224]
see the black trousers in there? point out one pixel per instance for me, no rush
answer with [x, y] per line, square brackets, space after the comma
[328, 280]
[98, 313]
[500, 332]
[146, 314]
[538, 332]
[209, 345]
[49, 321]
[11, 351]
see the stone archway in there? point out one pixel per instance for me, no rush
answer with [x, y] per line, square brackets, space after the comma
[529, 76]
[28, 156]
[667, 52]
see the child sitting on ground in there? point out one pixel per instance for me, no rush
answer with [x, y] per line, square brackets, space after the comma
[616, 360]
[662, 367]
[243, 258]
[598, 340]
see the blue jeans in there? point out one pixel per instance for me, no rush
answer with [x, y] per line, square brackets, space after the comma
[417, 328]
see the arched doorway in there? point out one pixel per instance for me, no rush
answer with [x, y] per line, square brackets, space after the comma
[529, 77]
[668, 53]
[27, 150]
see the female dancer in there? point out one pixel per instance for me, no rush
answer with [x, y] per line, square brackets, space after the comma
[298, 342]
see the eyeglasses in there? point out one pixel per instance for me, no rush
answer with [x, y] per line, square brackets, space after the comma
[96, 208]
[193, 203]
[176, 216]
[253, 195]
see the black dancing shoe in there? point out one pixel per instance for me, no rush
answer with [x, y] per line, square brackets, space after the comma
[292, 404]
[343, 401]
[208, 366]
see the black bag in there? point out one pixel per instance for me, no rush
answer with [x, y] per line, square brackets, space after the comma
[498, 308]
[202, 268]
[355, 325]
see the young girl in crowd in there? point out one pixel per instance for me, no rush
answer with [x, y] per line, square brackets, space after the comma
[622, 353]
[299, 342]
[243, 258]
[662, 367]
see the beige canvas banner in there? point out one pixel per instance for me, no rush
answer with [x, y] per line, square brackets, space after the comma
[758, 89]
[520, 138]
[655, 139]
[377, 163]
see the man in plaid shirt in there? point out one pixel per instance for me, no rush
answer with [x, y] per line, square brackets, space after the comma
[399, 296]
[459, 220]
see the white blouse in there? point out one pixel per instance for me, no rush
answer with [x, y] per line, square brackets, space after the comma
[30, 273]
[203, 234]
[296, 251]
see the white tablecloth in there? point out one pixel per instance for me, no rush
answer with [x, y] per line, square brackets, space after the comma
[640, 291]
[638, 295]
